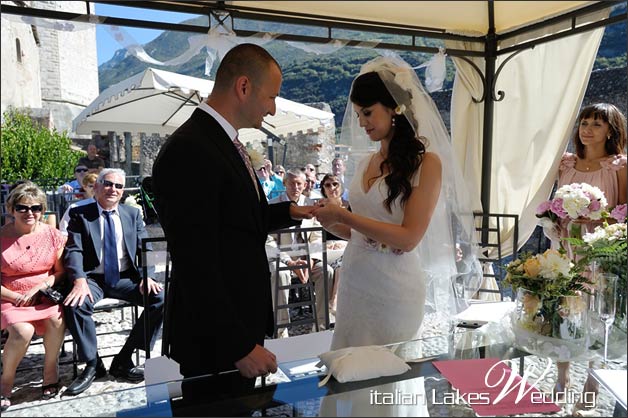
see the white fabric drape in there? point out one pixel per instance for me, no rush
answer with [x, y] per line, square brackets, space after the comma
[466, 116]
[544, 89]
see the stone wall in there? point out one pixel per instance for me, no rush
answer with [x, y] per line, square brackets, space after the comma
[69, 66]
[20, 84]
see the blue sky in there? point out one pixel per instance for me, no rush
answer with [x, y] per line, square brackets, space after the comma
[107, 46]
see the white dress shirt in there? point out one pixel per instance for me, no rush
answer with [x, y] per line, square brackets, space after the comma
[124, 261]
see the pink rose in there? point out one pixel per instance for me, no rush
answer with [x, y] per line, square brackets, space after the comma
[619, 213]
[557, 208]
[594, 205]
[543, 207]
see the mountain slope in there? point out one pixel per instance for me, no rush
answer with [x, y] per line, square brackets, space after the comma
[309, 77]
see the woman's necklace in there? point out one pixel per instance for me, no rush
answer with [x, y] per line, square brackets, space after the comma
[588, 165]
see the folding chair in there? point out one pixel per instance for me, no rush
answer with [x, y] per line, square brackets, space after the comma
[304, 251]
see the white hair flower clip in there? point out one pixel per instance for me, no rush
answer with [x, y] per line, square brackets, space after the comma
[400, 109]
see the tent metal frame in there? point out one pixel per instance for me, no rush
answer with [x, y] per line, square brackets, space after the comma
[221, 12]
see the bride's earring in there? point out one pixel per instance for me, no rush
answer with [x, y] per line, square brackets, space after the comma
[393, 121]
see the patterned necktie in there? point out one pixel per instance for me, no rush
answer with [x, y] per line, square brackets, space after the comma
[247, 162]
[112, 271]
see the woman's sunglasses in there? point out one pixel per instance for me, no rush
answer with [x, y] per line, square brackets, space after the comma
[25, 208]
[334, 184]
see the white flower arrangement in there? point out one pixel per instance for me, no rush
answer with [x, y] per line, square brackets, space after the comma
[553, 264]
[603, 235]
[130, 201]
[579, 200]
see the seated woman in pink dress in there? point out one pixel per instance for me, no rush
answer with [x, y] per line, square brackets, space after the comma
[31, 260]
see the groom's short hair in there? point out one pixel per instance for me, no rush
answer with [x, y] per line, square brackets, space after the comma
[250, 60]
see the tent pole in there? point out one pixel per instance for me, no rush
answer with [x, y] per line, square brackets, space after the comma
[487, 138]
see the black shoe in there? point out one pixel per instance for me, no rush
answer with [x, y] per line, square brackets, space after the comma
[126, 371]
[84, 381]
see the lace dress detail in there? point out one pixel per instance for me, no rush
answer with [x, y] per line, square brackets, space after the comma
[26, 262]
[381, 295]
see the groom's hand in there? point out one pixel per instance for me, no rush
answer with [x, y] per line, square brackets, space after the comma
[259, 362]
[301, 212]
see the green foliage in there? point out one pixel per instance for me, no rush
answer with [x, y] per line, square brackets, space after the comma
[611, 256]
[30, 151]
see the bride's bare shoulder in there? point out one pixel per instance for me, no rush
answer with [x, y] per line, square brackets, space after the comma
[431, 160]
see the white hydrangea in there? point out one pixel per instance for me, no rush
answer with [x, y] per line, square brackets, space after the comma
[130, 201]
[603, 234]
[554, 264]
[582, 200]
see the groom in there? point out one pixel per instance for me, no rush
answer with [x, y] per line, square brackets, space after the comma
[221, 301]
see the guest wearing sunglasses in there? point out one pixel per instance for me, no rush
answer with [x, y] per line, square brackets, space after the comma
[31, 261]
[263, 174]
[332, 191]
[104, 239]
[276, 176]
[89, 182]
[72, 190]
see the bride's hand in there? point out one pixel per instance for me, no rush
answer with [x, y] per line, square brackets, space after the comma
[328, 214]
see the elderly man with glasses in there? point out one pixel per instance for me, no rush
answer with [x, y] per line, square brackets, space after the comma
[263, 174]
[104, 239]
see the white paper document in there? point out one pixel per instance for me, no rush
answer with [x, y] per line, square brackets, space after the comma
[614, 381]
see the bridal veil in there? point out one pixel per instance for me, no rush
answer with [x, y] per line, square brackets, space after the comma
[448, 249]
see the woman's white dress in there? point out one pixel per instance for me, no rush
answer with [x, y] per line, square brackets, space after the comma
[381, 295]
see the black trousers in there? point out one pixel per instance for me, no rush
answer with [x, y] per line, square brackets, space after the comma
[83, 329]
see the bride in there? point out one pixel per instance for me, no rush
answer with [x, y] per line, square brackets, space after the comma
[409, 211]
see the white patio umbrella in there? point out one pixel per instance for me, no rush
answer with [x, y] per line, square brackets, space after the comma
[157, 101]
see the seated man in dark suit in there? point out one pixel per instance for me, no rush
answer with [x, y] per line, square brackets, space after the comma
[104, 239]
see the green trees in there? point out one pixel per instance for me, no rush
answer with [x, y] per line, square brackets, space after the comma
[30, 151]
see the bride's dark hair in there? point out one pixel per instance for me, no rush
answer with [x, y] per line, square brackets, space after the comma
[405, 152]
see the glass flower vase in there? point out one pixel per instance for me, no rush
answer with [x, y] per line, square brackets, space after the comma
[551, 327]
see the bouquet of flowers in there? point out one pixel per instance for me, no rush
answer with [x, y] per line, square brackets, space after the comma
[132, 200]
[571, 202]
[576, 200]
[551, 315]
[549, 275]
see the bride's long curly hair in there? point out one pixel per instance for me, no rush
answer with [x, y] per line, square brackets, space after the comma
[405, 152]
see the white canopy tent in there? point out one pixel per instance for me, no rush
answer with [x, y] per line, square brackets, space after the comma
[158, 102]
[522, 69]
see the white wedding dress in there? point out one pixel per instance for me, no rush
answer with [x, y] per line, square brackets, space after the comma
[381, 295]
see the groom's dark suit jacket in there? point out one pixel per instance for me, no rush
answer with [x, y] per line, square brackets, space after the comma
[216, 225]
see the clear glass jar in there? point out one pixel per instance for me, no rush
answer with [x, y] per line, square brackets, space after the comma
[556, 328]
